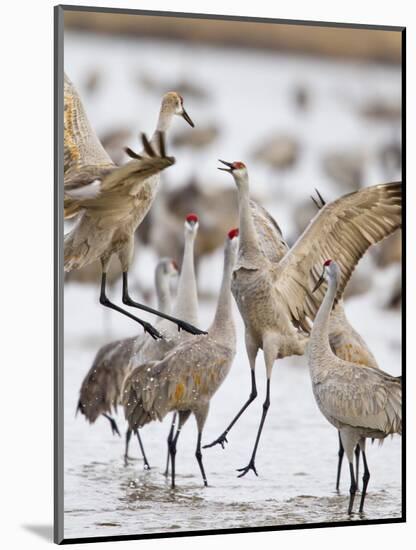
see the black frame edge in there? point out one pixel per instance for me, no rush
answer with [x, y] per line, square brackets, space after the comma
[404, 267]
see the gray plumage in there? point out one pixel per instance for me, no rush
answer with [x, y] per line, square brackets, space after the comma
[345, 341]
[185, 306]
[275, 298]
[101, 389]
[188, 376]
[110, 201]
[109, 211]
[348, 345]
[359, 401]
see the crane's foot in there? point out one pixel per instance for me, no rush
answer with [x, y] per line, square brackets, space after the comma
[187, 327]
[220, 441]
[128, 459]
[251, 466]
[146, 465]
[155, 334]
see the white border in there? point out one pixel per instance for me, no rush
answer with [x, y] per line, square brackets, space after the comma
[27, 234]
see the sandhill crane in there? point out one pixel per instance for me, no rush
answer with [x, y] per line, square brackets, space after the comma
[186, 303]
[348, 345]
[109, 201]
[187, 378]
[361, 402]
[100, 392]
[274, 298]
[186, 308]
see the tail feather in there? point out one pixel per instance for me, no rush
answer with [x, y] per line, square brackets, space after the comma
[138, 409]
[79, 408]
[75, 256]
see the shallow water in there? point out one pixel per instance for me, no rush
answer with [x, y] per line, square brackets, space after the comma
[296, 461]
[297, 456]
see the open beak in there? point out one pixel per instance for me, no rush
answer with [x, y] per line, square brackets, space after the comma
[320, 281]
[230, 166]
[187, 118]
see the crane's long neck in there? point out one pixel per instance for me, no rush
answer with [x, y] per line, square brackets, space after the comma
[186, 305]
[338, 317]
[319, 348]
[222, 328]
[248, 245]
[164, 295]
[164, 122]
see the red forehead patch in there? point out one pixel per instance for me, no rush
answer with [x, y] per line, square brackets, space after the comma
[327, 262]
[192, 218]
[237, 165]
[175, 265]
[233, 233]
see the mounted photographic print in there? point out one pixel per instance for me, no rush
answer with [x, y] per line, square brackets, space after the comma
[228, 275]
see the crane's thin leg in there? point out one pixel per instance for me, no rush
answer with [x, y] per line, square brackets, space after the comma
[366, 478]
[340, 457]
[146, 463]
[183, 417]
[113, 424]
[126, 450]
[170, 438]
[181, 324]
[357, 464]
[106, 302]
[253, 394]
[198, 455]
[251, 465]
[353, 488]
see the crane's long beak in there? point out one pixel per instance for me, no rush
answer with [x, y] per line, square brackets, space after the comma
[187, 118]
[319, 282]
[230, 166]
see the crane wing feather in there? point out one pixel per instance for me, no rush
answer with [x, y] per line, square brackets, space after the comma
[113, 196]
[83, 151]
[361, 397]
[269, 234]
[342, 230]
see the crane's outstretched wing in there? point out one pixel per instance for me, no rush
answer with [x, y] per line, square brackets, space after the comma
[361, 397]
[85, 159]
[113, 194]
[342, 230]
[270, 236]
